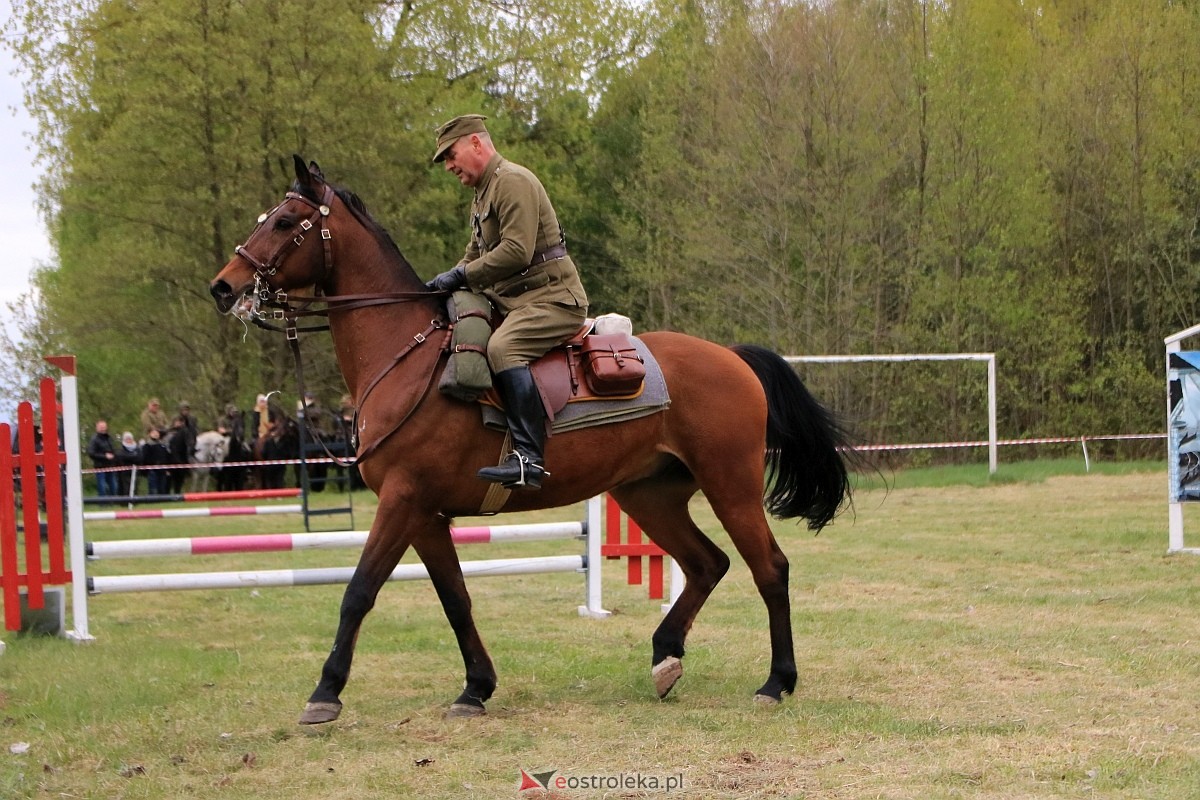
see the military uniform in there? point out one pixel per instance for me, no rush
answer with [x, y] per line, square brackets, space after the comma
[516, 257]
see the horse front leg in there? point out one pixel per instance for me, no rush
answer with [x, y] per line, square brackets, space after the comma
[441, 560]
[391, 533]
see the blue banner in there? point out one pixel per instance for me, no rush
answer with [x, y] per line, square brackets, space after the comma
[1183, 426]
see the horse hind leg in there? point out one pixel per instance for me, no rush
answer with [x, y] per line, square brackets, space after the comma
[660, 507]
[746, 523]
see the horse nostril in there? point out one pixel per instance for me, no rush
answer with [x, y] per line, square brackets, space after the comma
[222, 293]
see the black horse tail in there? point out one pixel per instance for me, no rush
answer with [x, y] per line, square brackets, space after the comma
[807, 446]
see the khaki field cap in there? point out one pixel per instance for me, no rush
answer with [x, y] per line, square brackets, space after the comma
[455, 129]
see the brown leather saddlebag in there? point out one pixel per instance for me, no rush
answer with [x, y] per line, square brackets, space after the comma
[611, 364]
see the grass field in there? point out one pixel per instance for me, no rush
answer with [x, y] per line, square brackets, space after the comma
[958, 637]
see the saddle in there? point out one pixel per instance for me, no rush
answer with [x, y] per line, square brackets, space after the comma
[588, 366]
[600, 361]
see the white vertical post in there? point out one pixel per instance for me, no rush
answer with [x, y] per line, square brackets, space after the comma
[594, 607]
[991, 380]
[1175, 527]
[677, 581]
[1174, 509]
[79, 596]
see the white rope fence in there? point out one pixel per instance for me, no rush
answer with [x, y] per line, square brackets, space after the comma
[1083, 440]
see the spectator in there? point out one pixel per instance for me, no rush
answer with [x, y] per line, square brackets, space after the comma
[155, 453]
[191, 427]
[154, 418]
[317, 431]
[100, 450]
[233, 423]
[275, 438]
[260, 422]
[180, 452]
[260, 431]
[232, 476]
[129, 454]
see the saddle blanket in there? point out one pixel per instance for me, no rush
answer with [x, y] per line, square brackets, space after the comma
[586, 412]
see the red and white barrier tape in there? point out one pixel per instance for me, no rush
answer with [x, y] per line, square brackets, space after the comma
[1004, 442]
[207, 465]
[865, 447]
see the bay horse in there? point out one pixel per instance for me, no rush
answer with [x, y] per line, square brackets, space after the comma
[738, 416]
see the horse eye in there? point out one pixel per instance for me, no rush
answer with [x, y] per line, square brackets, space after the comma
[283, 223]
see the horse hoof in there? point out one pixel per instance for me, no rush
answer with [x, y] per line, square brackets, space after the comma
[766, 701]
[665, 673]
[464, 710]
[319, 713]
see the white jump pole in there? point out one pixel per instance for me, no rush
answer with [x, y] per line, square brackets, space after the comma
[322, 576]
[589, 564]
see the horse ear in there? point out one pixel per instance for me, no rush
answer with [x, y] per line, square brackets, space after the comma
[315, 170]
[301, 170]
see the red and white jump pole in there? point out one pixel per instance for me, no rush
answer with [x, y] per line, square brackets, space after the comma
[204, 511]
[197, 497]
[325, 540]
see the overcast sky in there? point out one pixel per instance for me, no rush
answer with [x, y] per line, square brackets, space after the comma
[21, 230]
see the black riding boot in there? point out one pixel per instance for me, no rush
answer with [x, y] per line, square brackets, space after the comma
[524, 468]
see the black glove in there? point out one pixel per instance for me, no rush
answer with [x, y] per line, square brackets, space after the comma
[449, 281]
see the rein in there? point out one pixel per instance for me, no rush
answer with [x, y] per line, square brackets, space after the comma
[282, 302]
[413, 344]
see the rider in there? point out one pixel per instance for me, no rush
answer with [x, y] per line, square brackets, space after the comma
[516, 257]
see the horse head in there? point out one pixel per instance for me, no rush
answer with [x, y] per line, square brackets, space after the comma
[322, 237]
[289, 248]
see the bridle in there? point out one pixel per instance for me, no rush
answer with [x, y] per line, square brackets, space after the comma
[266, 267]
[289, 308]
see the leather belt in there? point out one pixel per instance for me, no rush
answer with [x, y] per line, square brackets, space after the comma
[549, 254]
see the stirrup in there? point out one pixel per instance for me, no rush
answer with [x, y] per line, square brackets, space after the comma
[529, 475]
[535, 471]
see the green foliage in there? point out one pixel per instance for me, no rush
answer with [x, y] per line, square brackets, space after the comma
[166, 128]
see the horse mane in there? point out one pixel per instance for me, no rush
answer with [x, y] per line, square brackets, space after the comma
[359, 209]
